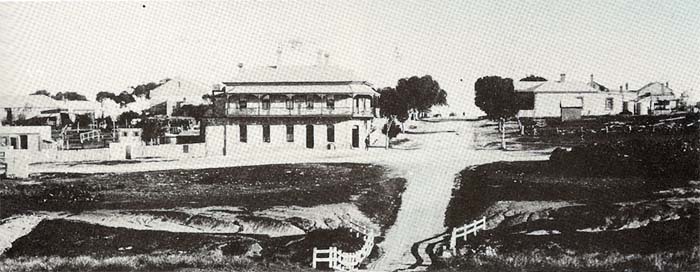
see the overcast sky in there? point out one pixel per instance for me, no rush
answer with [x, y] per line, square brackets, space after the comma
[108, 46]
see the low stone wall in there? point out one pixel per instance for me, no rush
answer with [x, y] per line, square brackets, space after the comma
[174, 151]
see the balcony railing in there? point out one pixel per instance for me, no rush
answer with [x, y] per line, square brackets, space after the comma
[303, 111]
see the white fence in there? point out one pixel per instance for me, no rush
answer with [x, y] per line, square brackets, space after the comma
[93, 134]
[463, 231]
[339, 260]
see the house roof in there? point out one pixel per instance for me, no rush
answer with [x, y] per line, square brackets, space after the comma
[30, 101]
[293, 74]
[656, 89]
[555, 87]
[350, 88]
[177, 89]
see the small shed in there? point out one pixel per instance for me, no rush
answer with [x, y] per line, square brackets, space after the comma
[129, 135]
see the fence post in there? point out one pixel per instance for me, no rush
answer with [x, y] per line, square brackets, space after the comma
[453, 241]
[333, 262]
[313, 259]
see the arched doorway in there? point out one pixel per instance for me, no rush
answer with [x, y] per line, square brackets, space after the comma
[309, 136]
[355, 136]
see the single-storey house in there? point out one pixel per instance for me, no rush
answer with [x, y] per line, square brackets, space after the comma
[553, 98]
[175, 93]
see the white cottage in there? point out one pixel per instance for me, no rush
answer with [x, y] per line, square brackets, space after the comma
[552, 98]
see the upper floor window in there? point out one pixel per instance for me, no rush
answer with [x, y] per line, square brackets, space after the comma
[609, 103]
[310, 101]
[330, 102]
[242, 103]
[266, 102]
[289, 103]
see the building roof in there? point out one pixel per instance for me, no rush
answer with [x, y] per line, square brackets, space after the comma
[293, 74]
[555, 87]
[178, 89]
[351, 88]
[655, 89]
[30, 101]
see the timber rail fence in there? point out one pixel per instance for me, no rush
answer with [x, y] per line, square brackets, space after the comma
[339, 260]
[463, 231]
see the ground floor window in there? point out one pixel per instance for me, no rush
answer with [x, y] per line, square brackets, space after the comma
[290, 133]
[243, 133]
[330, 133]
[266, 133]
[608, 104]
[23, 142]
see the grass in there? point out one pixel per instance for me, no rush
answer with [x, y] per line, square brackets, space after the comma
[682, 260]
[610, 219]
[209, 260]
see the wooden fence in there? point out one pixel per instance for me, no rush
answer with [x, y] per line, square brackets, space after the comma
[339, 260]
[463, 231]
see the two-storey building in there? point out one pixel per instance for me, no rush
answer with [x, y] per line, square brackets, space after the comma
[315, 107]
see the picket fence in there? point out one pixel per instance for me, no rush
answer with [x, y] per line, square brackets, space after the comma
[463, 231]
[339, 260]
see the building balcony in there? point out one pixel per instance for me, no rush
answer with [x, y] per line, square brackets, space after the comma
[303, 111]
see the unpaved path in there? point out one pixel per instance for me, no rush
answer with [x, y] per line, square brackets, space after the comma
[430, 172]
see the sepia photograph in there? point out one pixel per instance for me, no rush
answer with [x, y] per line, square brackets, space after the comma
[400, 135]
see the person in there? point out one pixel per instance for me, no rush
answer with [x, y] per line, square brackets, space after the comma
[367, 142]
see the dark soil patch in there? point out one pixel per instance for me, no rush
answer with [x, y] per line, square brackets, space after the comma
[70, 238]
[253, 187]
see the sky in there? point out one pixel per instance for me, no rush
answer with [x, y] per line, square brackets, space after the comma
[90, 47]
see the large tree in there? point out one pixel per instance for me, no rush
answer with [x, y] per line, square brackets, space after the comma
[496, 96]
[71, 96]
[102, 95]
[533, 78]
[421, 93]
[42, 92]
[394, 107]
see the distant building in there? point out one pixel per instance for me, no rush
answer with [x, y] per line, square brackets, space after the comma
[23, 107]
[571, 98]
[317, 107]
[25, 138]
[175, 93]
[655, 98]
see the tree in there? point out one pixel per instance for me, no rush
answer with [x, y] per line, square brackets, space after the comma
[421, 93]
[70, 96]
[42, 92]
[198, 111]
[144, 90]
[394, 107]
[125, 98]
[153, 130]
[102, 95]
[126, 117]
[533, 78]
[497, 98]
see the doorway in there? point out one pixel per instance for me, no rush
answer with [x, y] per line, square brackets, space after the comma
[309, 136]
[128, 152]
[355, 136]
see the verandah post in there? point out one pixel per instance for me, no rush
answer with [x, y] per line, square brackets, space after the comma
[313, 259]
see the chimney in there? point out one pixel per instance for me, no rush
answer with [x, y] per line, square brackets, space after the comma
[620, 88]
[326, 57]
[666, 84]
[562, 77]
[627, 86]
[592, 79]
